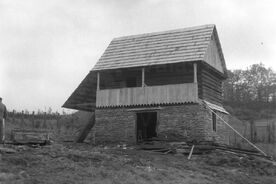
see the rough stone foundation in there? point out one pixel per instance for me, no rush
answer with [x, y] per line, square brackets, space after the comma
[187, 121]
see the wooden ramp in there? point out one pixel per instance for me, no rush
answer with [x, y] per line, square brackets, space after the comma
[85, 131]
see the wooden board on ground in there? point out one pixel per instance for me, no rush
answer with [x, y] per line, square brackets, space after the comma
[30, 136]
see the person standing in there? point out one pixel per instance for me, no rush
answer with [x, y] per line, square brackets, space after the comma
[3, 116]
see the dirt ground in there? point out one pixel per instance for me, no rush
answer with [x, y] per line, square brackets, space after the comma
[83, 163]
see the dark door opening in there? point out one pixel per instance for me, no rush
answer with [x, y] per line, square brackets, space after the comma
[146, 126]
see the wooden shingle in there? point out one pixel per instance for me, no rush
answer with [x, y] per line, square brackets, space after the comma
[181, 45]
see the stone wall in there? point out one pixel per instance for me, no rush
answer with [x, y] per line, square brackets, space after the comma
[114, 125]
[222, 131]
[192, 122]
[181, 122]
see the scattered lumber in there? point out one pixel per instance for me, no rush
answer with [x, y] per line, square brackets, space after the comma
[30, 137]
[189, 148]
[7, 150]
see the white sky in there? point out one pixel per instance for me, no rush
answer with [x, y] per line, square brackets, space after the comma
[47, 47]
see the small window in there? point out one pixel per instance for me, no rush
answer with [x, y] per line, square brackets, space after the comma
[214, 120]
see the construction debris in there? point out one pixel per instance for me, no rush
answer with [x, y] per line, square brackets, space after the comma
[30, 137]
[194, 148]
[7, 150]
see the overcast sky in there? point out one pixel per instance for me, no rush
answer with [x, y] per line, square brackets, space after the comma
[47, 47]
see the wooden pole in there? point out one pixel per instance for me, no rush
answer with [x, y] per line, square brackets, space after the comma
[143, 77]
[33, 120]
[191, 152]
[13, 118]
[98, 81]
[237, 132]
[195, 73]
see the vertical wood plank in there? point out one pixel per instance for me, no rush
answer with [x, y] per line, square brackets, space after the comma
[143, 77]
[178, 93]
[195, 73]
[98, 81]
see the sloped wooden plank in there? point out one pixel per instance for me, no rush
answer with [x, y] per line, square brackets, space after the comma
[86, 129]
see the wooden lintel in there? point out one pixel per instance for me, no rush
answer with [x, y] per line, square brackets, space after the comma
[146, 109]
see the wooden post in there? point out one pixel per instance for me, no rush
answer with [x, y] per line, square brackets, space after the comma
[33, 120]
[191, 152]
[44, 126]
[195, 73]
[22, 124]
[143, 77]
[13, 118]
[98, 81]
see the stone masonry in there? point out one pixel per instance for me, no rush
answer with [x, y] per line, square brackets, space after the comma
[187, 121]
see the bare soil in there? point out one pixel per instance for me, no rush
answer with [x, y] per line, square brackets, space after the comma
[83, 163]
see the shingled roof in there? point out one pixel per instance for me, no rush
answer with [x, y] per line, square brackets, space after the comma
[180, 45]
[199, 43]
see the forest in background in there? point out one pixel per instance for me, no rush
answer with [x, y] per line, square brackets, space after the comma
[251, 93]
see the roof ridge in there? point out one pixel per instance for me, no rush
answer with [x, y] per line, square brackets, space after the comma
[164, 32]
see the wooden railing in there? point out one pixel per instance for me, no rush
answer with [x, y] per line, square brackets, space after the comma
[165, 94]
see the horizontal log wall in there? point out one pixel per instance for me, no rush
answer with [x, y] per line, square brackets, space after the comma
[165, 94]
[210, 85]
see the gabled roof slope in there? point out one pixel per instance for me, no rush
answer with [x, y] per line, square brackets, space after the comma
[84, 97]
[181, 45]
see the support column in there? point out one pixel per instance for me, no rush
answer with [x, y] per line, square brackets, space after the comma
[143, 77]
[195, 73]
[98, 81]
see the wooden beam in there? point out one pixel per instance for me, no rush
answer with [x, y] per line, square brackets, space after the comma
[195, 73]
[85, 131]
[98, 81]
[143, 77]
[146, 109]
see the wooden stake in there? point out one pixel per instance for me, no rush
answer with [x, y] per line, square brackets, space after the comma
[191, 152]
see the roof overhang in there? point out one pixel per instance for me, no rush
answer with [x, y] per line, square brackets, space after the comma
[215, 107]
[84, 96]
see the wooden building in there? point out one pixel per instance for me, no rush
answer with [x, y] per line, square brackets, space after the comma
[159, 84]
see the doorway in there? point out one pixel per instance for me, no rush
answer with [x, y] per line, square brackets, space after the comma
[146, 125]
